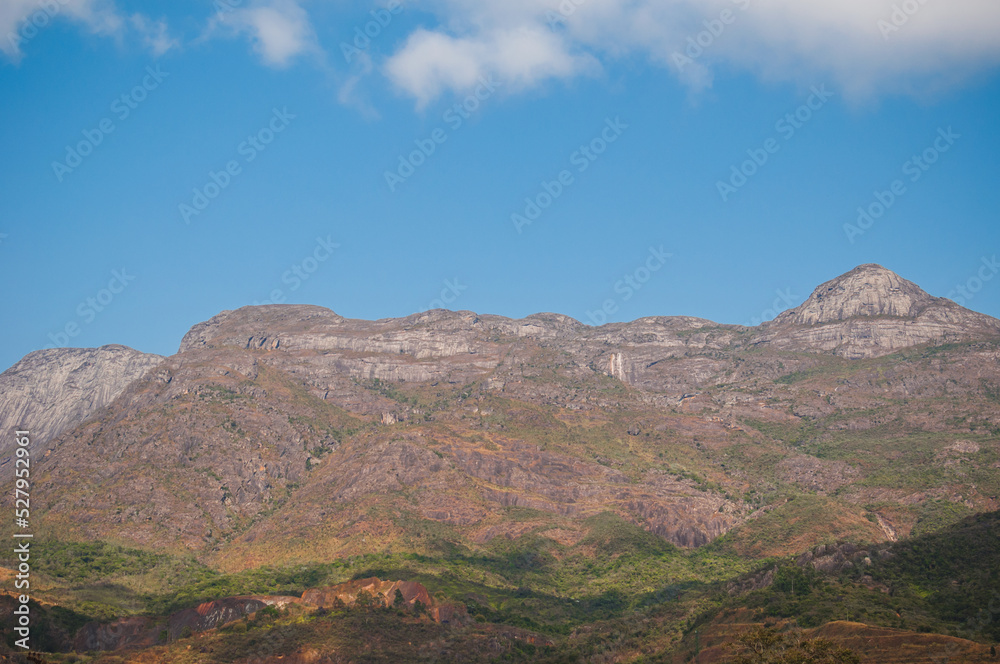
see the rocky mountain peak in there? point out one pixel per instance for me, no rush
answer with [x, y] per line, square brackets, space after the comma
[50, 391]
[866, 291]
[256, 325]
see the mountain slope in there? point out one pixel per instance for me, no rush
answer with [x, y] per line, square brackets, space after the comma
[289, 432]
[870, 312]
[51, 391]
[613, 483]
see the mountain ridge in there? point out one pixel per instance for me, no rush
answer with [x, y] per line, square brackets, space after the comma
[263, 394]
[544, 473]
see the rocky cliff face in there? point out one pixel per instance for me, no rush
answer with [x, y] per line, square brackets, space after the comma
[50, 391]
[868, 290]
[330, 353]
[870, 312]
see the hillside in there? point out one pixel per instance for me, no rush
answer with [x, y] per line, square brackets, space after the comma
[550, 477]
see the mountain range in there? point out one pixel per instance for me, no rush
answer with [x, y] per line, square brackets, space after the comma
[586, 474]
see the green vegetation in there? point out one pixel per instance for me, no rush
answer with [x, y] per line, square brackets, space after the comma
[531, 582]
[602, 587]
[935, 515]
[945, 582]
[389, 391]
[614, 579]
[955, 571]
[766, 645]
[800, 523]
[77, 562]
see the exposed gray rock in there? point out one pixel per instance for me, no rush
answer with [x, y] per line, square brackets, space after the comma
[50, 391]
[867, 290]
[871, 312]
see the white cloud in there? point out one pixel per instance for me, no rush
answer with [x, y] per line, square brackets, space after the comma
[838, 42]
[155, 34]
[280, 30]
[940, 43]
[22, 20]
[432, 62]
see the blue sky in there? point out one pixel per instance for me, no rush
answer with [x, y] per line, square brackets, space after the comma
[164, 161]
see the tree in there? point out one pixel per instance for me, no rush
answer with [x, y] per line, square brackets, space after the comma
[364, 601]
[766, 645]
[398, 601]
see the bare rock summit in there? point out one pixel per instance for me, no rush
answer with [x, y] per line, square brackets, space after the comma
[870, 312]
[50, 391]
[868, 290]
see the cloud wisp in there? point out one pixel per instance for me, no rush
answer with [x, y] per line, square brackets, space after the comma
[865, 48]
[280, 30]
[868, 47]
[22, 20]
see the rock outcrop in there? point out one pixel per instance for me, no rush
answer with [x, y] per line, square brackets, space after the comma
[381, 592]
[142, 632]
[866, 291]
[870, 312]
[50, 391]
